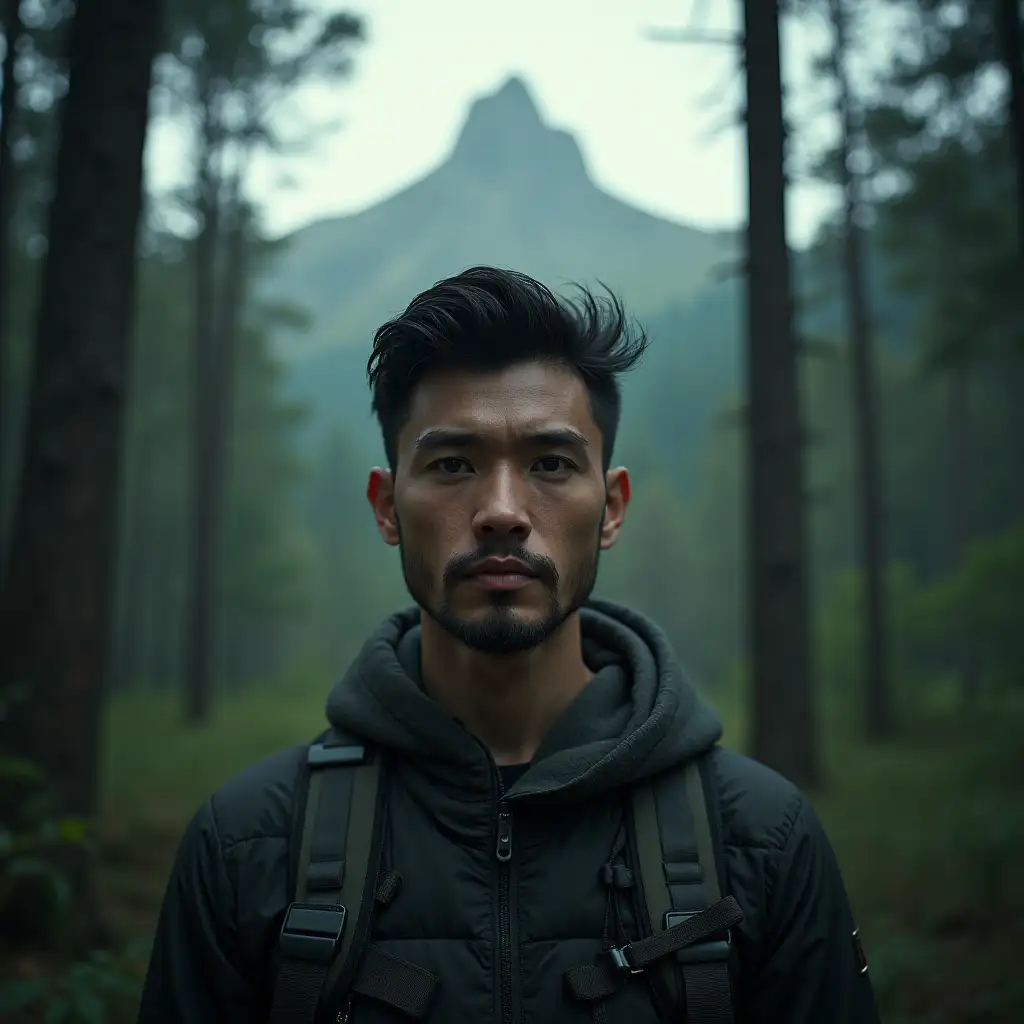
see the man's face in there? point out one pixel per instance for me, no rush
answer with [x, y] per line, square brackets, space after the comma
[499, 504]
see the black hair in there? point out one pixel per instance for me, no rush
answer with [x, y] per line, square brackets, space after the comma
[489, 319]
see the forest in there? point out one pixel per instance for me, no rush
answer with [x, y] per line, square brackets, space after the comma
[827, 447]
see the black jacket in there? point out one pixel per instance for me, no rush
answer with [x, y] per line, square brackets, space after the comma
[213, 958]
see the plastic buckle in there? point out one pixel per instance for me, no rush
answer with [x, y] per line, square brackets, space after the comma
[706, 951]
[312, 931]
[620, 960]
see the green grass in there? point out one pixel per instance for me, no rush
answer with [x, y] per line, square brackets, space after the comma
[929, 831]
[928, 828]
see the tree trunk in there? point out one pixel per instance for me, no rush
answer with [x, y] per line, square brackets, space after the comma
[784, 733]
[203, 603]
[1012, 42]
[151, 567]
[122, 675]
[163, 649]
[56, 599]
[13, 30]
[866, 411]
[231, 310]
[220, 298]
[961, 505]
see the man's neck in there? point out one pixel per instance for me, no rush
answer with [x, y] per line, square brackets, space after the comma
[509, 702]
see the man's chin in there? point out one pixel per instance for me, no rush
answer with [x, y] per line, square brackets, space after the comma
[503, 630]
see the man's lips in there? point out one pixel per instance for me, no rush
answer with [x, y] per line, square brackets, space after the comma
[501, 574]
[501, 567]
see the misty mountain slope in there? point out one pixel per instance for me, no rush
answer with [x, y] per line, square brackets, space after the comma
[513, 193]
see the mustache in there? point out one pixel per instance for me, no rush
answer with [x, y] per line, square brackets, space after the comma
[460, 565]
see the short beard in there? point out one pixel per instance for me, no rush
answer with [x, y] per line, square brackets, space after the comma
[502, 631]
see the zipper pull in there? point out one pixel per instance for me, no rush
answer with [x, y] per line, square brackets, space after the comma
[343, 1015]
[504, 850]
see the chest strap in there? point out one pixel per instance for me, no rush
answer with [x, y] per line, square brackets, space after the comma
[693, 940]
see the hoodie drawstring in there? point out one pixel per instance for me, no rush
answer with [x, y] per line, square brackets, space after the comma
[618, 880]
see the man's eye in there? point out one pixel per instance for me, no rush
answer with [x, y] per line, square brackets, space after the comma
[451, 465]
[553, 464]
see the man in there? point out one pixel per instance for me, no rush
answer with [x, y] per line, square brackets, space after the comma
[510, 877]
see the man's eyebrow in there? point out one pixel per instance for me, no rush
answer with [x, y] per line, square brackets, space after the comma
[448, 437]
[558, 437]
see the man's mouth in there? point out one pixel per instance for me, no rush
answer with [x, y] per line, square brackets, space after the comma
[501, 574]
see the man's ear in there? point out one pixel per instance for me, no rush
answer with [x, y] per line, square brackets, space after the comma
[617, 495]
[380, 493]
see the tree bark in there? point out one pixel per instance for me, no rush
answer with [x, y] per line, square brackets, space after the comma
[866, 412]
[163, 652]
[220, 299]
[232, 310]
[122, 674]
[14, 28]
[784, 732]
[1011, 38]
[961, 506]
[55, 602]
[203, 605]
[1012, 43]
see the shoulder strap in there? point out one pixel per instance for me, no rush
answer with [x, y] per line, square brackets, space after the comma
[675, 824]
[677, 828]
[335, 878]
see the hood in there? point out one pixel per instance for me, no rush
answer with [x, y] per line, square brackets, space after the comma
[637, 716]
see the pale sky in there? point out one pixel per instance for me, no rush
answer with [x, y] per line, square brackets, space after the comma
[644, 113]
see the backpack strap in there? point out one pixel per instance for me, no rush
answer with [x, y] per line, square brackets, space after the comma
[323, 946]
[678, 835]
[690, 921]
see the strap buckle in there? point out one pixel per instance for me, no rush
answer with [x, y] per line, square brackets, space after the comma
[312, 931]
[620, 958]
[706, 951]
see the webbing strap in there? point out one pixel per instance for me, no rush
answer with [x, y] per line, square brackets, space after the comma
[360, 862]
[334, 860]
[297, 992]
[397, 982]
[689, 882]
[686, 939]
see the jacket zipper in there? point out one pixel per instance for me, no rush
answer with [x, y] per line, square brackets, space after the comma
[503, 852]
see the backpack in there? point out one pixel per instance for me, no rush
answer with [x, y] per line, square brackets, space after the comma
[334, 871]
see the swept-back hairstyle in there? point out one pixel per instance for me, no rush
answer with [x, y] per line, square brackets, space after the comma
[488, 319]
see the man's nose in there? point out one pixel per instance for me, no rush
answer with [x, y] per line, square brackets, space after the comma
[502, 508]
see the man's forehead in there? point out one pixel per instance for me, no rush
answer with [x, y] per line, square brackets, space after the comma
[519, 399]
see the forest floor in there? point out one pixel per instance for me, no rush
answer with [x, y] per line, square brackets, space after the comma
[928, 828]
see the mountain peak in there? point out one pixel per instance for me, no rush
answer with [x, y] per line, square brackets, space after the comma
[513, 95]
[504, 137]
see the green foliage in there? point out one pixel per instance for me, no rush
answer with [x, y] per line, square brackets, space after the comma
[976, 605]
[980, 603]
[30, 856]
[41, 74]
[941, 154]
[267, 554]
[30, 847]
[230, 63]
[98, 990]
[840, 636]
[264, 579]
[355, 579]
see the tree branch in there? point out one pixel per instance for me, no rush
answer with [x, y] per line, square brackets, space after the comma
[693, 37]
